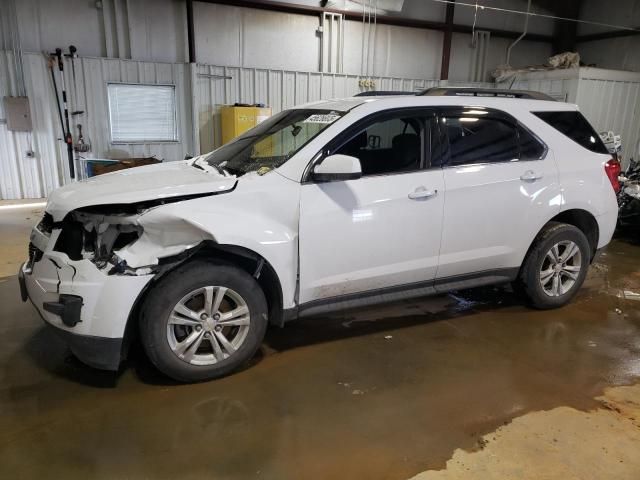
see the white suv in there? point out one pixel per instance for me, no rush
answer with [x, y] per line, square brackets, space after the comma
[331, 205]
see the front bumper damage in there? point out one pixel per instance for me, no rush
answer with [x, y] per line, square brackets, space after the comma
[87, 301]
[97, 335]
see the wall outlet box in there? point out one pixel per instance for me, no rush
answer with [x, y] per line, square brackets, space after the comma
[18, 114]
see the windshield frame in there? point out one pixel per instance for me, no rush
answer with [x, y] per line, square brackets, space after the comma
[222, 156]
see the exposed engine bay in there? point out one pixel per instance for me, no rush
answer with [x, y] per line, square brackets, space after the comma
[98, 238]
[128, 239]
[84, 235]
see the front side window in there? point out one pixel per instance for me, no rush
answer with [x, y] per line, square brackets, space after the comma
[475, 139]
[271, 143]
[392, 144]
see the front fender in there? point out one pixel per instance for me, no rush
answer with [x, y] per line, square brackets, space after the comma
[261, 215]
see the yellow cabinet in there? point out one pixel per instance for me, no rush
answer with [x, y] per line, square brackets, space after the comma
[237, 120]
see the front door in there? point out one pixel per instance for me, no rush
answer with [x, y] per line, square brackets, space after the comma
[381, 230]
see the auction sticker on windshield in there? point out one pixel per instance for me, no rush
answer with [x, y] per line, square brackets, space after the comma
[322, 118]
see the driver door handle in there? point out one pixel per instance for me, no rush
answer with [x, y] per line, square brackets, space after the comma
[421, 193]
[530, 176]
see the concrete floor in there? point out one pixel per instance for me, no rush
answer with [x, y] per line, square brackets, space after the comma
[471, 384]
[16, 220]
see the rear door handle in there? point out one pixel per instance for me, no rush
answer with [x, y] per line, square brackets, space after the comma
[422, 193]
[530, 176]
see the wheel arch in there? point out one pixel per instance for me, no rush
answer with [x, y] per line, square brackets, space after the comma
[582, 219]
[248, 260]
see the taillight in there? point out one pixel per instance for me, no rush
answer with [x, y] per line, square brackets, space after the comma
[612, 169]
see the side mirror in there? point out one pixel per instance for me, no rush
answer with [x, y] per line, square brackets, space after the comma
[337, 168]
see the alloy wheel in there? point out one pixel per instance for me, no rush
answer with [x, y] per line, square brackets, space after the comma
[208, 325]
[560, 268]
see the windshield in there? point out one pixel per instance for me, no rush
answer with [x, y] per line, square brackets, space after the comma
[271, 143]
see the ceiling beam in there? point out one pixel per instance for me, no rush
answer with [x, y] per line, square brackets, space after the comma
[191, 37]
[611, 34]
[446, 43]
[277, 6]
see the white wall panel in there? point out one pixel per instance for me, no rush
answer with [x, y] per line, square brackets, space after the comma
[399, 51]
[613, 105]
[228, 35]
[93, 74]
[155, 30]
[279, 89]
[609, 99]
[503, 20]
[140, 29]
[613, 53]
[22, 177]
[523, 54]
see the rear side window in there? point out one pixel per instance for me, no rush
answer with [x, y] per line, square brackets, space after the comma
[576, 127]
[480, 140]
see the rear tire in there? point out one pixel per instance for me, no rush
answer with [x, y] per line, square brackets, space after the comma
[203, 321]
[555, 267]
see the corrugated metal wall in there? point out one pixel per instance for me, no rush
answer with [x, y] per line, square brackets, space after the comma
[563, 89]
[279, 89]
[613, 105]
[94, 74]
[23, 177]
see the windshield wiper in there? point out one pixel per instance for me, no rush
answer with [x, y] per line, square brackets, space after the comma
[202, 164]
[220, 170]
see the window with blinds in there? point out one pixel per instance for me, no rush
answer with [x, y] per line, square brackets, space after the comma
[142, 113]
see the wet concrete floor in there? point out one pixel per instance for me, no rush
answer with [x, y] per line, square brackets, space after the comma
[382, 393]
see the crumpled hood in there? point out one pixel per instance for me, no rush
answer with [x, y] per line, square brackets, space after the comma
[151, 182]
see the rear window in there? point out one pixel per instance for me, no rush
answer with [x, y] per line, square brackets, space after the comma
[576, 127]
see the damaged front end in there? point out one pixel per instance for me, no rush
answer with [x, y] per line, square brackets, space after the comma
[85, 277]
[79, 285]
[98, 237]
[90, 264]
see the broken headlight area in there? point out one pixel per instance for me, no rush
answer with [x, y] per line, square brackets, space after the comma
[98, 238]
[46, 224]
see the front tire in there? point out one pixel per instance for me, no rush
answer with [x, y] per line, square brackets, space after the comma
[203, 321]
[555, 267]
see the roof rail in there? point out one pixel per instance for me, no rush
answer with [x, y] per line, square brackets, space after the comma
[383, 93]
[484, 92]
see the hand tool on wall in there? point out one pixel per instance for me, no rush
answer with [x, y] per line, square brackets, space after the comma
[51, 64]
[67, 136]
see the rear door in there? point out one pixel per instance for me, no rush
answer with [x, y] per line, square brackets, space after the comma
[383, 229]
[497, 177]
